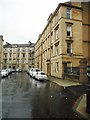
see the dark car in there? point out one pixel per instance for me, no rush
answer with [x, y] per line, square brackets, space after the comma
[88, 71]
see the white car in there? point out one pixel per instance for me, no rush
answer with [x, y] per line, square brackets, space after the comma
[8, 70]
[18, 70]
[4, 73]
[41, 76]
[33, 72]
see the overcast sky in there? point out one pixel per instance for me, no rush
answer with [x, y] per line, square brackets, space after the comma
[23, 20]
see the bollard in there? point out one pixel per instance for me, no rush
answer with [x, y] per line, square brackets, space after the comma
[88, 98]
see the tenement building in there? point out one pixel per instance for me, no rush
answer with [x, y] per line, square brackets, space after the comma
[1, 51]
[18, 56]
[65, 39]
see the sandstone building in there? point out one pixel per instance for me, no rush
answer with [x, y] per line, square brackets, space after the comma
[18, 56]
[65, 39]
[1, 51]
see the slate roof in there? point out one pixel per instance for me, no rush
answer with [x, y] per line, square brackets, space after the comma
[8, 45]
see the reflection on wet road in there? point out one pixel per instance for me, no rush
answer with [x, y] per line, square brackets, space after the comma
[24, 97]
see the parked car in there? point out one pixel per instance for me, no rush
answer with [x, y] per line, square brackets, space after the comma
[30, 71]
[41, 76]
[33, 72]
[13, 70]
[18, 70]
[4, 73]
[9, 70]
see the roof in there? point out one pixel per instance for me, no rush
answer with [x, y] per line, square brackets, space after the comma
[8, 45]
[67, 4]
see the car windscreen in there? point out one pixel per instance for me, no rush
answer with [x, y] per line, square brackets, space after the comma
[42, 73]
[37, 70]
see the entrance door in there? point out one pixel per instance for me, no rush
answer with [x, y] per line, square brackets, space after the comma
[13, 67]
[48, 68]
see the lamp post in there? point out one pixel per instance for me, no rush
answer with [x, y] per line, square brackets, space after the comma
[88, 96]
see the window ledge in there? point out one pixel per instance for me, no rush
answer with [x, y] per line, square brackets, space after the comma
[56, 42]
[70, 54]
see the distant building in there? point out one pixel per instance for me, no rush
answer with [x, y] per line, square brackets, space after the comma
[1, 51]
[18, 56]
[65, 39]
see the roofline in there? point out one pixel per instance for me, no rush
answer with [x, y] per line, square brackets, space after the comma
[59, 5]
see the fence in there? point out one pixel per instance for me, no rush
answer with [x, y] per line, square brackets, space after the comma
[71, 72]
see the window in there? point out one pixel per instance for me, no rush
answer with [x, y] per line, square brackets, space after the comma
[23, 61]
[10, 55]
[10, 50]
[18, 49]
[56, 33]
[69, 47]
[43, 45]
[5, 55]
[30, 55]
[52, 23]
[57, 66]
[69, 31]
[68, 13]
[23, 54]
[52, 37]
[17, 61]
[69, 67]
[9, 60]
[5, 61]
[56, 18]
[51, 51]
[18, 55]
[57, 50]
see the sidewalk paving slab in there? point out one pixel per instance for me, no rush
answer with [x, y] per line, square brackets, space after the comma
[63, 82]
[80, 107]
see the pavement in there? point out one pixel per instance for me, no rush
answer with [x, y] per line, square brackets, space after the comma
[80, 105]
[64, 82]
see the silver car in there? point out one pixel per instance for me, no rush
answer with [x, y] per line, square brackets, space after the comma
[41, 76]
[33, 72]
[4, 73]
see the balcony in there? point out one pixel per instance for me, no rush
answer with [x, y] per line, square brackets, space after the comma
[70, 54]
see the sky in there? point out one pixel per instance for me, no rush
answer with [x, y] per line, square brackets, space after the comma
[22, 21]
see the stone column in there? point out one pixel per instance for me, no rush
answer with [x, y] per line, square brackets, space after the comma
[83, 71]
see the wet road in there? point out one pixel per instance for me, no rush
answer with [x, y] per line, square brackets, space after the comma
[24, 97]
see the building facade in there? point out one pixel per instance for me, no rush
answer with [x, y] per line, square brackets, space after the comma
[18, 56]
[64, 41]
[1, 51]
